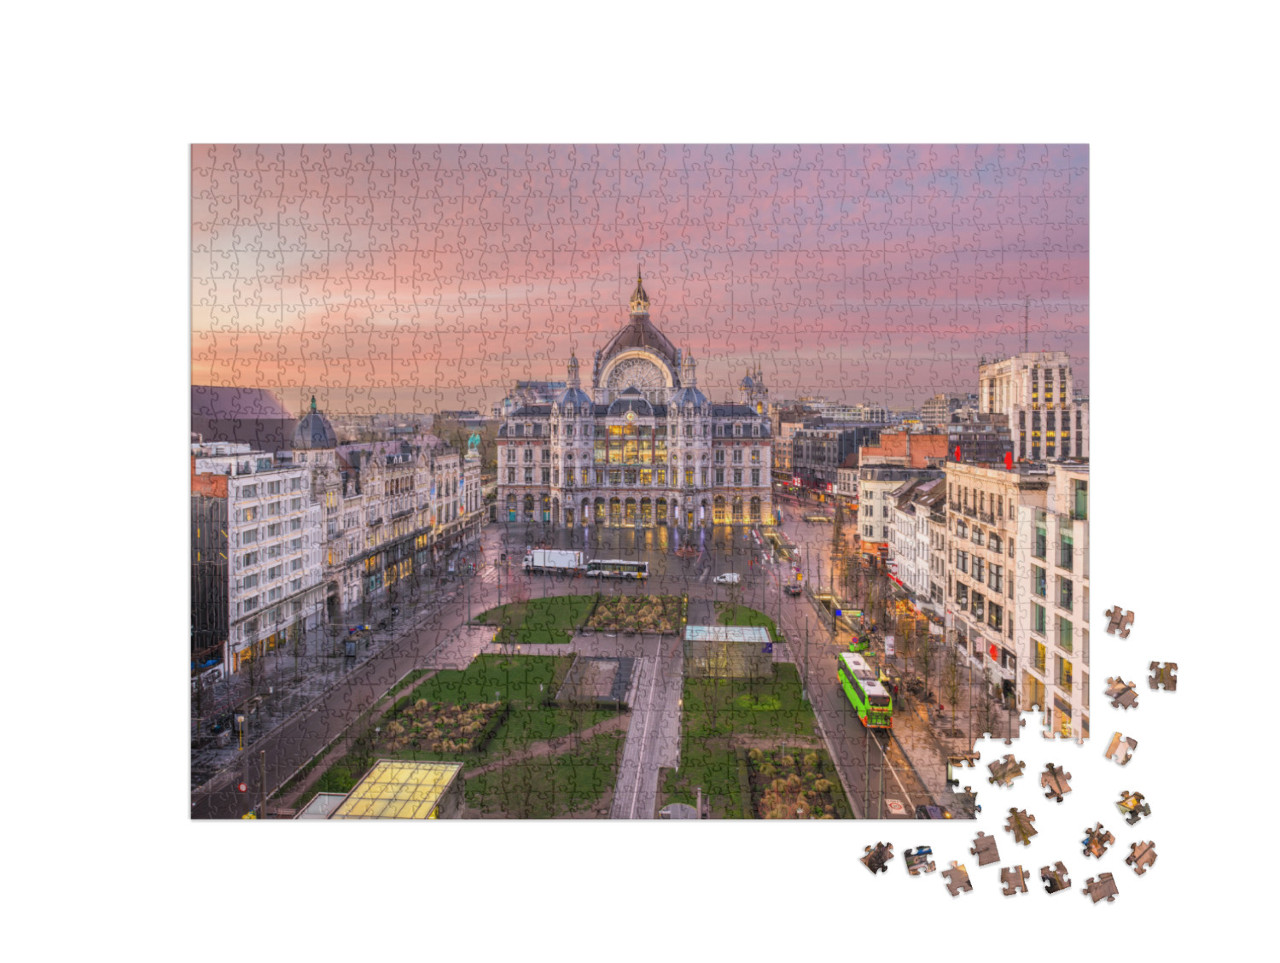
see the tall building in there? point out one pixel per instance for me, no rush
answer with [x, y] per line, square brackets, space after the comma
[936, 412]
[818, 452]
[1053, 641]
[990, 524]
[645, 447]
[1036, 393]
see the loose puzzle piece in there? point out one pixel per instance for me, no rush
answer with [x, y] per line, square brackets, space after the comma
[918, 862]
[1019, 823]
[1096, 841]
[1141, 855]
[984, 847]
[1055, 780]
[1134, 806]
[1121, 748]
[1055, 880]
[957, 878]
[1166, 675]
[1014, 879]
[1103, 887]
[876, 858]
[1006, 771]
[1121, 693]
[1120, 621]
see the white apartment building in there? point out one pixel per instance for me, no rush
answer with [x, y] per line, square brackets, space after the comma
[1053, 639]
[909, 549]
[990, 515]
[273, 542]
[1035, 390]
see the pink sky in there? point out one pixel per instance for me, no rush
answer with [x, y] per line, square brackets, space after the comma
[394, 278]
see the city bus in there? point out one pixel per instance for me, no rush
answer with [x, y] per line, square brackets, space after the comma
[868, 697]
[616, 568]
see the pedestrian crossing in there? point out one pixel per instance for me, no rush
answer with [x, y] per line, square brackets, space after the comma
[489, 575]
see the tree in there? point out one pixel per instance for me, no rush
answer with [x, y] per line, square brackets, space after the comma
[924, 653]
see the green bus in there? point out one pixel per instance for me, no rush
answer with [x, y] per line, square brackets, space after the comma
[868, 697]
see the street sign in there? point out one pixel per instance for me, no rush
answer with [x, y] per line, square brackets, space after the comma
[839, 613]
[242, 787]
[895, 807]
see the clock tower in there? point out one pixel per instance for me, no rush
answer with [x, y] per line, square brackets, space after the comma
[639, 356]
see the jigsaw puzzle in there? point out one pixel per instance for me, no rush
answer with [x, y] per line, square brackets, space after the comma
[1005, 771]
[1055, 780]
[1133, 806]
[1121, 693]
[1101, 887]
[1019, 824]
[1096, 841]
[957, 879]
[1119, 621]
[1120, 749]
[517, 470]
[984, 847]
[1141, 856]
[1014, 880]
[1164, 675]
[1055, 880]
[918, 861]
[878, 857]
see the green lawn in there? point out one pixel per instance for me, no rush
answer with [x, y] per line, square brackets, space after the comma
[539, 620]
[490, 678]
[728, 614]
[715, 710]
[549, 785]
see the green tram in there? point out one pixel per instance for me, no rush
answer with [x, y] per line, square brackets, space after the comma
[869, 698]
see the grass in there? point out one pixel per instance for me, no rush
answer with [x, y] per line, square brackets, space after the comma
[717, 710]
[728, 614]
[539, 621]
[514, 680]
[549, 786]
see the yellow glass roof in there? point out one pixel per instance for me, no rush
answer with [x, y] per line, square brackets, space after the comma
[398, 789]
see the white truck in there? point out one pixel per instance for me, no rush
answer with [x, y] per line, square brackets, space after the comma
[555, 560]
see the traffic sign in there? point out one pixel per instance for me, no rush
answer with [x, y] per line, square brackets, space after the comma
[242, 787]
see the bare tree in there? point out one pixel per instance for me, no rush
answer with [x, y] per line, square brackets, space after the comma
[952, 681]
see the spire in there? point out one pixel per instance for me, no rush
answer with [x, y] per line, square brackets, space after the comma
[313, 402]
[639, 297]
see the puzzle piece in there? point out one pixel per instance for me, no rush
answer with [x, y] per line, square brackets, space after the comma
[1096, 841]
[1019, 823]
[984, 847]
[1120, 621]
[1055, 880]
[1134, 806]
[1055, 780]
[1121, 693]
[1141, 855]
[957, 878]
[918, 862]
[877, 858]
[1121, 748]
[1101, 887]
[398, 300]
[1006, 770]
[1014, 879]
[1165, 675]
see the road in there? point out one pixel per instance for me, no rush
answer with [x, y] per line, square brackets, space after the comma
[442, 641]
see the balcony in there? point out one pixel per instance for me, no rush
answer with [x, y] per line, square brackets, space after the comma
[987, 517]
[971, 512]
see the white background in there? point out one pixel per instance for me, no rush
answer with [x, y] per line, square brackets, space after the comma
[104, 101]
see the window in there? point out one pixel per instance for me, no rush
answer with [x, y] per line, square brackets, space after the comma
[1041, 545]
[1064, 633]
[248, 582]
[1066, 550]
[737, 476]
[1037, 580]
[274, 572]
[1064, 673]
[295, 524]
[1037, 620]
[249, 558]
[248, 514]
[978, 569]
[248, 537]
[962, 595]
[511, 476]
[295, 504]
[977, 536]
[249, 604]
[962, 561]
[995, 616]
[720, 456]
[1064, 593]
[995, 577]
[719, 476]
[979, 606]
[528, 476]
[528, 455]
[273, 530]
[755, 476]
[546, 476]
[295, 484]
[755, 456]
[1039, 657]
[995, 543]
[249, 491]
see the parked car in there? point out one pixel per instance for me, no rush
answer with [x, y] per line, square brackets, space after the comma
[728, 578]
[794, 588]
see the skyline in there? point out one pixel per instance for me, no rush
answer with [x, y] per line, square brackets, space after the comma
[403, 278]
